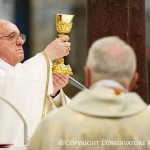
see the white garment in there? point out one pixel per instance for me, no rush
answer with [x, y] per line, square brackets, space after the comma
[24, 87]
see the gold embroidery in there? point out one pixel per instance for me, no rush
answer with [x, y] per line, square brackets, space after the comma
[47, 83]
[48, 104]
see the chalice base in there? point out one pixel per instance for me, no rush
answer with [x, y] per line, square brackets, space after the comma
[60, 68]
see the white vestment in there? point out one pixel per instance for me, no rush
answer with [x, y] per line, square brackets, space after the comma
[24, 87]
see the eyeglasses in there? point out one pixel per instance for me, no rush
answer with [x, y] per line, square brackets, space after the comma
[15, 37]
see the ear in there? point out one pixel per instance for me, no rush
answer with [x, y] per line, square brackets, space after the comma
[134, 81]
[87, 76]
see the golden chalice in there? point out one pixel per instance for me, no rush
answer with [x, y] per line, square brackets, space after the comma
[63, 26]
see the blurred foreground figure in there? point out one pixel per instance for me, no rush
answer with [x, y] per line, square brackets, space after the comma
[24, 85]
[108, 116]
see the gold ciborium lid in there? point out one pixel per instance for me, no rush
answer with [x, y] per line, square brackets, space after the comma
[64, 23]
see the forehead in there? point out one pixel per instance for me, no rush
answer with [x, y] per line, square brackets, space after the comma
[8, 27]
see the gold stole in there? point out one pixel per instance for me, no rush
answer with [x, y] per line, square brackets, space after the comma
[48, 104]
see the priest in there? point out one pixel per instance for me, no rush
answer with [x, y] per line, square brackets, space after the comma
[30, 87]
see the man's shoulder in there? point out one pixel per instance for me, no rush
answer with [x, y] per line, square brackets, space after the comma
[59, 115]
[145, 114]
[147, 110]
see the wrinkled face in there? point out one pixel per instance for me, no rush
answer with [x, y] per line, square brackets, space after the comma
[11, 50]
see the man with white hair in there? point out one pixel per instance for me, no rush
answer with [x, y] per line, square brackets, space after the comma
[108, 115]
[29, 85]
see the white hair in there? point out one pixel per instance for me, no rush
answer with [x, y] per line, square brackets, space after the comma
[112, 58]
[3, 20]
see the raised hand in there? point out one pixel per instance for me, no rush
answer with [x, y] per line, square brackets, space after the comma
[58, 48]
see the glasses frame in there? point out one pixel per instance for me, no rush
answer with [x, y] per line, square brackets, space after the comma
[15, 37]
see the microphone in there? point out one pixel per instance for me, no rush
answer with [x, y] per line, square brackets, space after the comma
[21, 117]
[76, 84]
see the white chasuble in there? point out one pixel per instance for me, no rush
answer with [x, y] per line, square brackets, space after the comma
[24, 87]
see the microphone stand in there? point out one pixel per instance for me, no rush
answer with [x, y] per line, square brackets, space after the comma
[22, 118]
[75, 83]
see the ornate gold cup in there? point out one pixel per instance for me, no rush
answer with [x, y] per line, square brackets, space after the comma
[63, 26]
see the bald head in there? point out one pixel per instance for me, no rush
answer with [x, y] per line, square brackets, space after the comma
[112, 58]
[4, 26]
[2, 23]
[3, 20]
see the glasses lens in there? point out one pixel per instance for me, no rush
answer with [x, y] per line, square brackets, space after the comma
[23, 37]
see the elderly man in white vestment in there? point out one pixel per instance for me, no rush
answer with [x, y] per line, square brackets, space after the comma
[106, 117]
[24, 84]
